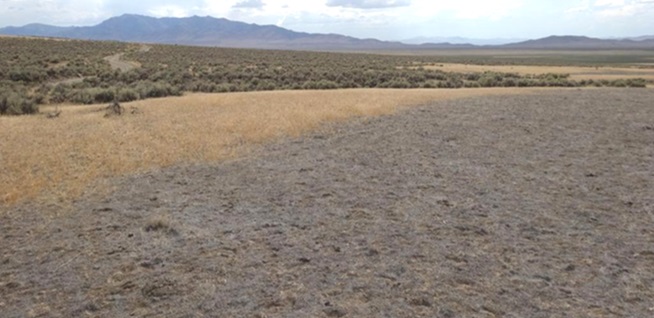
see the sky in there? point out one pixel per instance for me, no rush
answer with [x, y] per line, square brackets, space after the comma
[381, 19]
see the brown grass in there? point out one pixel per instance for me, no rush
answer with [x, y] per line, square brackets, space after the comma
[55, 160]
[576, 72]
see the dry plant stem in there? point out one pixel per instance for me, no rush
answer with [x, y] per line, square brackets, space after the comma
[58, 159]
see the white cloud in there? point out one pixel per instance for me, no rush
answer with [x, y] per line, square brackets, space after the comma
[368, 4]
[610, 9]
[169, 11]
[611, 3]
[583, 6]
[58, 12]
[386, 19]
[468, 9]
[250, 4]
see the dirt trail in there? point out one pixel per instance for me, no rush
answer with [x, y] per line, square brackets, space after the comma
[116, 63]
[516, 206]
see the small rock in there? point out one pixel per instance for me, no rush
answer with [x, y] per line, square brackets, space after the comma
[372, 252]
[12, 285]
[151, 264]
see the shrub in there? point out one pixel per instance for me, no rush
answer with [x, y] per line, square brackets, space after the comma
[15, 104]
[487, 81]
[104, 95]
[398, 83]
[152, 90]
[636, 82]
[127, 95]
[321, 84]
[509, 82]
[59, 93]
[83, 96]
[472, 77]
[524, 83]
[28, 75]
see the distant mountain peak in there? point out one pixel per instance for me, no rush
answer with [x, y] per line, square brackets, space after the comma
[579, 42]
[211, 31]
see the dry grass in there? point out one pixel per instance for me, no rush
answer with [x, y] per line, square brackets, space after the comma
[55, 160]
[576, 72]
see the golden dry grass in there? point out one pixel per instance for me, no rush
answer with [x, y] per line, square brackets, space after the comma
[576, 72]
[55, 160]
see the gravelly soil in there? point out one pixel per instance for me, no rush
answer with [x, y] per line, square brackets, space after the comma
[519, 206]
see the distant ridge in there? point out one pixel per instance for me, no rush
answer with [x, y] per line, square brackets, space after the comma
[208, 31]
[642, 38]
[220, 32]
[580, 42]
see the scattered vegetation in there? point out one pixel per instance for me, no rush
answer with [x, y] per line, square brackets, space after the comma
[47, 71]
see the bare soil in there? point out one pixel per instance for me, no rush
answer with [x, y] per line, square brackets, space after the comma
[575, 72]
[516, 206]
[117, 63]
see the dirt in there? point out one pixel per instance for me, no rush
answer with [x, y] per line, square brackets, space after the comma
[575, 72]
[117, 63]
[517, 206]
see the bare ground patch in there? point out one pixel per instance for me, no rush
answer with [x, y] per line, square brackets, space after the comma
[66, 156]
[576, 72]
[525, 206]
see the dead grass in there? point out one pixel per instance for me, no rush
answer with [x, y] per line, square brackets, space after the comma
[55, 160]
[576, 72]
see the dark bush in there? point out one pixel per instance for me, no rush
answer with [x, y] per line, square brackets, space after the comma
[127, 95]
[14, 104]
[636, 82]
[105, 95]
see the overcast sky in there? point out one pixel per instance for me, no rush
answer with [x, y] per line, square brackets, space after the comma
[382, 19]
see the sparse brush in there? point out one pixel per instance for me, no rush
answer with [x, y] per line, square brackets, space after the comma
[162, 224]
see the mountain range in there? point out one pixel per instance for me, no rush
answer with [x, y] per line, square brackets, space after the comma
[220, 32]
[460, 40]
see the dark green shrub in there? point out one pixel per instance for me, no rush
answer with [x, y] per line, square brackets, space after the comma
[636, 82]
[153, 90]
[524, 83]
[60, 93]
[472, 77]
[509, 82]
[105, 95]
[127, 95]
[29, 75]
[399, 83]
[488, 81]
[83, 96]
[15, 104]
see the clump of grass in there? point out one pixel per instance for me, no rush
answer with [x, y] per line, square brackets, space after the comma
[162, 224]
